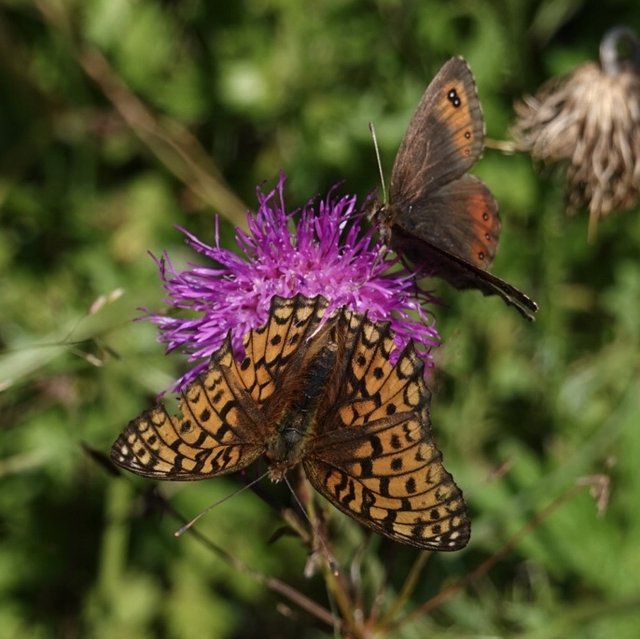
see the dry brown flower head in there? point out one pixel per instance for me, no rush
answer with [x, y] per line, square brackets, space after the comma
[589, 120]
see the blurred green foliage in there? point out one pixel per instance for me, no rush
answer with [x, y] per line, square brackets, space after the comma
[118, 120]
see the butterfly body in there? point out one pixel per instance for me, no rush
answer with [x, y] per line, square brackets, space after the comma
[286, 446]
[439, 218]
[321, 392]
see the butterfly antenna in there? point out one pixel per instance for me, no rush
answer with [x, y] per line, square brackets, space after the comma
[333, 564]
[372, 129]
[183, 529]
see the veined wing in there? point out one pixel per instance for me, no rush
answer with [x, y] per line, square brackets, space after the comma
[227, 413]
[375, 459]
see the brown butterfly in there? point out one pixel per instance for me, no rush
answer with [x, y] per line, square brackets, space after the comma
[320, 391]
[438, 217]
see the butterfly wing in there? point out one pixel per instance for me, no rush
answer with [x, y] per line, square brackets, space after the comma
[445, 136]
[279, 344]
[463, 274]
[227, 413]
[373, 456]
[460, 217]
[213, 434]
[431, 196]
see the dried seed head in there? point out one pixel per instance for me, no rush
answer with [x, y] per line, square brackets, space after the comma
[589, 120]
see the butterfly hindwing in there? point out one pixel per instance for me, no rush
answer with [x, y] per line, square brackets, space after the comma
[460, 217]
[465, 275]
[391, 479]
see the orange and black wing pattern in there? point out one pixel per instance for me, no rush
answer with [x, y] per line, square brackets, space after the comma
[228, 413]
[374, 457]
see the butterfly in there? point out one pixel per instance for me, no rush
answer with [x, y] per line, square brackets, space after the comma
[438, 217]
[322, 392]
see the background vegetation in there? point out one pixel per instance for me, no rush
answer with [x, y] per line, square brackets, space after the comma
[120, 119]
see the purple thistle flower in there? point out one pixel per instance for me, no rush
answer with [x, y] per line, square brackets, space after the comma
[327, 254]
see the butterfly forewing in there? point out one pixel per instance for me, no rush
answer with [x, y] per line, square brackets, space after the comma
[444, 138]
[270, 348]
[212, 434]
[373, 387]
[431, 197]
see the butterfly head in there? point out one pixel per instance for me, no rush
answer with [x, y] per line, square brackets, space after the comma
[286, 451]
[381, 215]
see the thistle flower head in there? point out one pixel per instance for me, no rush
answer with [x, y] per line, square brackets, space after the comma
[327, 253]
[590, 121]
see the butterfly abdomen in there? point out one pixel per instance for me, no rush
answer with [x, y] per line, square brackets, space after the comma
[287, 446]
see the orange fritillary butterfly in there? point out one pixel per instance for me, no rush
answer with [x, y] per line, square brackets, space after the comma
[321, 392]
